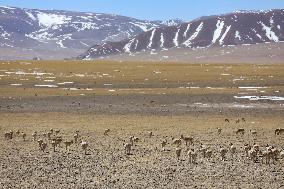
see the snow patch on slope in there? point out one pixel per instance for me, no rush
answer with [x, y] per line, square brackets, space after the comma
[172, 22]
[259, 36]
[221, 41]
[271, 21]
[141, 25]
[151, 39]
[176, 38]
[86, 26]
[269, 33]
[40, 35]
[5, 35]
[162, 40]
[237, 35]
[199, 28]
[194, 35]
[128, 46]
[187, 28]
[60, 43]
[49, 20]
[5, 7]
[218, 31]
[30, 15]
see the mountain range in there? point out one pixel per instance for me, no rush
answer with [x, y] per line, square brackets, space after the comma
[58, 34]
[235, 29]
[50, 33]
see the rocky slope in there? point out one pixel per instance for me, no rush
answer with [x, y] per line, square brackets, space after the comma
[238, 28]
[45, 30]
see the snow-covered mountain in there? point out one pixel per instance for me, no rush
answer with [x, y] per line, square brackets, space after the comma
[63, 30]
[238, 28]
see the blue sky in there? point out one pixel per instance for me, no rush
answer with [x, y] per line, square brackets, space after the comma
[151, 9]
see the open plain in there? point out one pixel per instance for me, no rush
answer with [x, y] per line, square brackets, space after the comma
[135, 99]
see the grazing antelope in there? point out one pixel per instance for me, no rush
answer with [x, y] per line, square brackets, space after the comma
[53, 144]
[223, 152]
[39, 141]
[247, 148]
[253, 154]
[58, 140]
[176, 141]
[164, 143]
[192, 156]
[127, 148]
[253, 132]
[57, 131]
[188, 140]
[203, 151]
[68, 143]
[240, 131]
[24, 136]
[76, 136]
[8, 135]
[278, 131]
[131, 140]
[178, 152]
[34, 135]
[282, 154]
[49, 135]
[219, 130]
[43, 146]
[106, 131]
[208, 153]
[136, 139]
[233, 150]
[84, 145]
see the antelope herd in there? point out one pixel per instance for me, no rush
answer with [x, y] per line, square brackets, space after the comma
[265, 154]
[53, 136]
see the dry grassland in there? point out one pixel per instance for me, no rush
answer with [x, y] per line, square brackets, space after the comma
[105, 78]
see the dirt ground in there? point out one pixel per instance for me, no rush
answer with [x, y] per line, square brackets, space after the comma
[23, 165]
[133, 99]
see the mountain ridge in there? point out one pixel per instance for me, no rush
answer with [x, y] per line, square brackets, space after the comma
[60, 29]
[232, 29]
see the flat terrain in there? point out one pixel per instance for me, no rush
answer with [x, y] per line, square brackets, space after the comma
[131, 99]
[45, 53]
[132, 87]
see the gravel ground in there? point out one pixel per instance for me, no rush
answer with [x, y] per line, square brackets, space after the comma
[23, 165]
